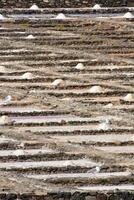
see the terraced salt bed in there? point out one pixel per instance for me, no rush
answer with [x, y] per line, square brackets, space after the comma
[21, 152]
[129, 187]
[73, 91]
[118, 149]
[48, 118]
[6, 140]
[69, 16]
[97, 138]
[71, 129]
[46, 164]
[94, 40]
[15, 109]
[79, 175]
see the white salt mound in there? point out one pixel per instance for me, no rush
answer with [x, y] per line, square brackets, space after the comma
[95, 89]
[18, 152]
[104, 126]
[8, 99]
[98, 168]
[80, 66]
[128, 15]
[58, 82]
[128, 97]
[34, 7]
[109, 105]
[4, 120]
[60, 16]
[27, 75]
[30, 37]
[2, 17]
[3, 69]
[96, 7]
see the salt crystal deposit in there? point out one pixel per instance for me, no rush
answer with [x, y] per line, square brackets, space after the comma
[4, 120]
[96, 7]
[3, 69]
[60, 16]
[58, 82]
[109, 105]
[98, 168]
[104, 126]
[27, 75]
[128, 97]
[8, 99]
[18, 152]
[1, 17]
[80, 66]
[34, 7]
[95, 89]
[128, 15]
[30, 37]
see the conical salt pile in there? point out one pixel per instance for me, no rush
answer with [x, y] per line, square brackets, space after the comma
[80, 66]
[18, 152]
[2, 17]
[58, 82]
[30, 37]
[27, 75]
[4, 120]
[128, 97]
[60, 16]
[109, 105]
[105, 125]
[3, 69]
[96, 7]
[128, 15]
[34, 7]
[8, 99]
[95, 89]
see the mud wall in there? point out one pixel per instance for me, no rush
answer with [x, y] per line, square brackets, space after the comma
[61, 3]
[67, 196]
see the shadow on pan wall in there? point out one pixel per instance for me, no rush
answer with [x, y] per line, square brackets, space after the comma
[63, 3]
